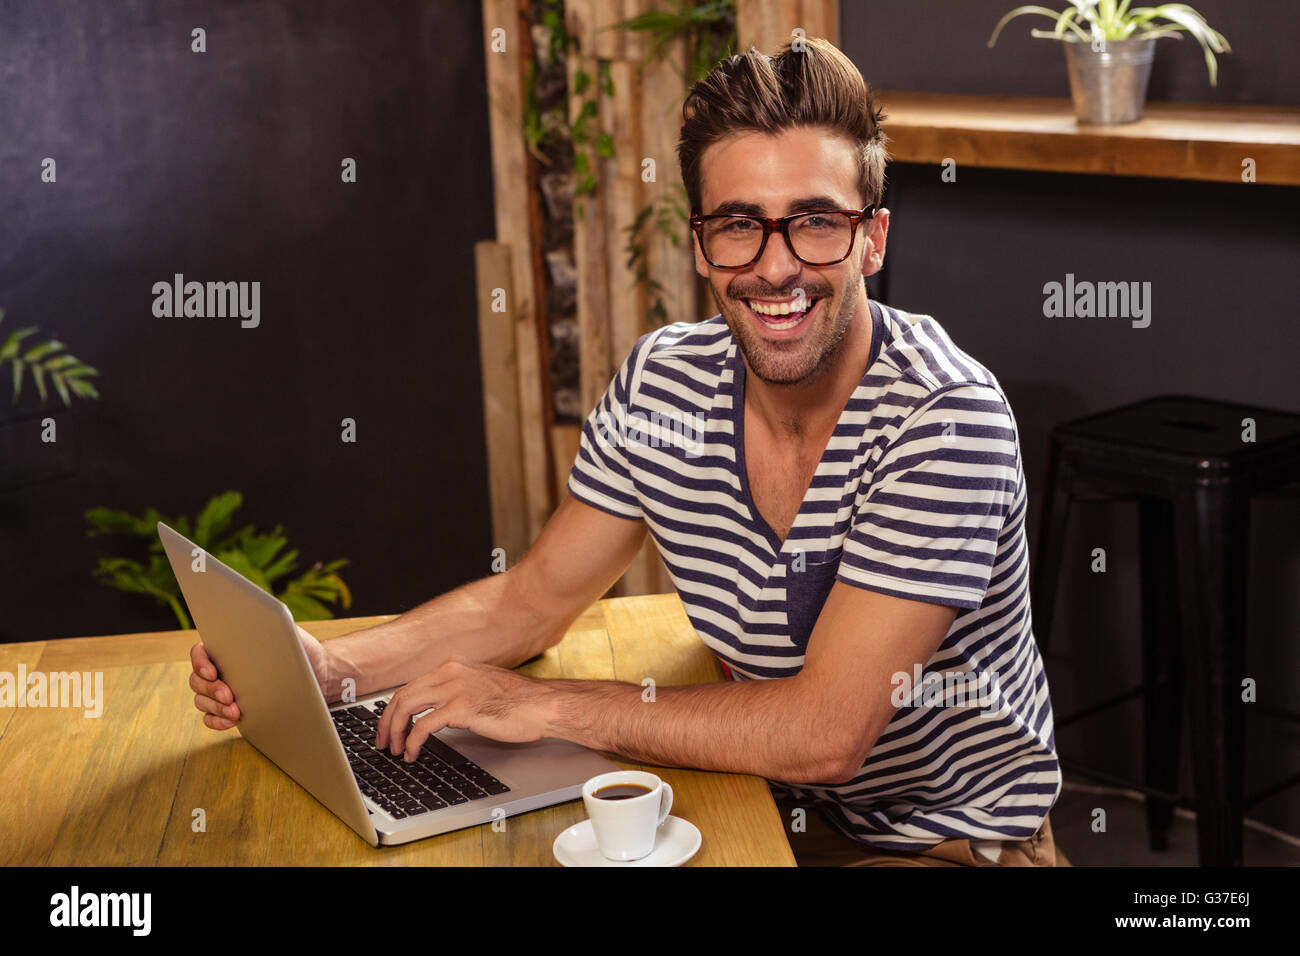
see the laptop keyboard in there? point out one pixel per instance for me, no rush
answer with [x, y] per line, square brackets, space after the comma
[440, 777]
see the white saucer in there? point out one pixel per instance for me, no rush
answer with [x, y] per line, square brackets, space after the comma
[677, 842]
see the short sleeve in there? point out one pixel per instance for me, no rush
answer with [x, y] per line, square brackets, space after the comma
[601, 475]
[928, 526]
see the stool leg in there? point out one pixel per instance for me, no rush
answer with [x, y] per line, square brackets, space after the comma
[1161, 664]
[1211, 528]
[1051, 543]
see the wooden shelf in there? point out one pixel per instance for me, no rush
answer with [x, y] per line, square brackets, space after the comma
[1171, 141]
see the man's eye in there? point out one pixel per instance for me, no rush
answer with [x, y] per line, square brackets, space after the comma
[738, 225]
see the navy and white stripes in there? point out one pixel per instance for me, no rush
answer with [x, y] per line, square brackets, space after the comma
[920, 494]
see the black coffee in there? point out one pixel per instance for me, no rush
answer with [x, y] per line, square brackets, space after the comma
[621, 791]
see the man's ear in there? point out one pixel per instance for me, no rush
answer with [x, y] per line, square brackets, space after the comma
[701, 264]
[876, 234]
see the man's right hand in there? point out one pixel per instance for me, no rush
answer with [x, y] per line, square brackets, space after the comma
[213, 696]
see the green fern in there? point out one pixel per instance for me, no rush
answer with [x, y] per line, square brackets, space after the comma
[709, 30]
[67, 373]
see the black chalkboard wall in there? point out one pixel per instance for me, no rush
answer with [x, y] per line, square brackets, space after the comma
[226, 166]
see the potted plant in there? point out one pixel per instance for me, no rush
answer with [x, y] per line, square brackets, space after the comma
[1109, 47]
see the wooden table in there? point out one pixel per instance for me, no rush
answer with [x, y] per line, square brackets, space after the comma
[122, 789]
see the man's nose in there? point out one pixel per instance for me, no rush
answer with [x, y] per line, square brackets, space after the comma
[777, 266]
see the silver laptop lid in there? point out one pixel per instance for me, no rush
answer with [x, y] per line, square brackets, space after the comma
[252, 638]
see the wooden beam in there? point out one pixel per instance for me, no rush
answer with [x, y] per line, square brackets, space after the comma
[767, 24]
[590, 241]
[514, 210]
[1171, 141]
[501, 421]
[671, 264]
[565, 440]
[622, 182]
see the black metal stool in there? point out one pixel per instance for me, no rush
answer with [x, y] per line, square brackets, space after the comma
[1193, 474]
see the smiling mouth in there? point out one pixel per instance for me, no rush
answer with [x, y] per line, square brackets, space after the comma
[781, 316]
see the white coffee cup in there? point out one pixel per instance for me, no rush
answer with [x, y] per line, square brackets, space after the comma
[626, 827]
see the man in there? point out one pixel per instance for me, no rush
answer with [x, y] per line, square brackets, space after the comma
[837, 491]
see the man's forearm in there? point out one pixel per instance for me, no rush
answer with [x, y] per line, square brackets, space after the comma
[483, 621]
[763, 727]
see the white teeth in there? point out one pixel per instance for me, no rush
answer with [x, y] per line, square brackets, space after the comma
[770, 308]
[764, 309]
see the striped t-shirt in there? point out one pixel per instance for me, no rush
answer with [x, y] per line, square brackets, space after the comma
[919, 494]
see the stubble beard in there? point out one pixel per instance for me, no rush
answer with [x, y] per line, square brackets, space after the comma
[791, 363]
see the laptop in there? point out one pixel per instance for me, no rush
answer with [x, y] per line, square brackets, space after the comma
[460, 779]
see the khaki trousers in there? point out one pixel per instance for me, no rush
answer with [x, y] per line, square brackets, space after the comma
[823, 845]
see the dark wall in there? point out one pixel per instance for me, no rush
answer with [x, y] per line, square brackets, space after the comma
[940, 46]
[1221, 259]
[225, 165]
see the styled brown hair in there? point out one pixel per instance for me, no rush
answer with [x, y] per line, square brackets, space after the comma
[819, 87]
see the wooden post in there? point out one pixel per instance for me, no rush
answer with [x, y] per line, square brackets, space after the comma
[622, 184]
[501, 421]
[767, 24]
[516, 207]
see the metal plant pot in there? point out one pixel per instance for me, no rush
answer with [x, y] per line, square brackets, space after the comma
[1109, 85]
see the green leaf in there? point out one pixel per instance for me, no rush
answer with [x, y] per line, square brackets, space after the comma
[605, 145]
[160, 576]
[18, 378]
[42, 350]
[215, 517]
[61, 362]
[106, 521]
[581, 80]
[261, 549]
[282, 565]
[10, 348]
[1040, 11]
[305, 608]
[238, 561]
[38, 376]
[81, 388]
[61, 387]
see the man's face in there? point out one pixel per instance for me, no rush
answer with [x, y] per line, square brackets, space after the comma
[795, 171]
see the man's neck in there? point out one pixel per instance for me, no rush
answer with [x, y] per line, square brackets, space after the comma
[809, 410]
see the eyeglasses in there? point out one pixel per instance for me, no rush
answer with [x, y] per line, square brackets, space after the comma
[814, 238]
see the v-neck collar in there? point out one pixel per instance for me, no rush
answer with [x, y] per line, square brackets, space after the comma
[757, 521]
